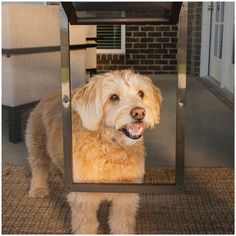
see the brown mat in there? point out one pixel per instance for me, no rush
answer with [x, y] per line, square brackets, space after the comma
[206, 205]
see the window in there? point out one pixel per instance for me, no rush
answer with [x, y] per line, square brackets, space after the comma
[219, 23]
[110, 38]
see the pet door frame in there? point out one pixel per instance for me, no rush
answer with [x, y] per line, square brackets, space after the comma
[66, 14]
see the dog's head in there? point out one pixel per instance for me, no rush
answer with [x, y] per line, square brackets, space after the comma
[121, 104]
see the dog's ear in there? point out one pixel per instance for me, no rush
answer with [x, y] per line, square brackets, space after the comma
[158, 100]
[87, 102]
[157, 95]
[155, 91]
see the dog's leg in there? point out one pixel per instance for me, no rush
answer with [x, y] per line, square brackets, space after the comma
[84, 208]
[123, 213]
[38, 158]
[40, 171]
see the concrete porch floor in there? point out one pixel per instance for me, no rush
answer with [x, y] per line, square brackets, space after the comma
[209, 130]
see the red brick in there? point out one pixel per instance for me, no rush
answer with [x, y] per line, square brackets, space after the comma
[154, 45]
[139, 34]
[139, 45]
[147, 62]
[154, 56]
[147, 40]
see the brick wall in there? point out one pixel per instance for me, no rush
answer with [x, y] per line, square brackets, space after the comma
[194, 37]
[152, 49]
[149, 49]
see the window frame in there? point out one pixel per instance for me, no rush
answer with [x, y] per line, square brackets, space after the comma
[116, 51]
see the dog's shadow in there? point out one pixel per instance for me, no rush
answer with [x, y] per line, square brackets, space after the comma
[102, 215]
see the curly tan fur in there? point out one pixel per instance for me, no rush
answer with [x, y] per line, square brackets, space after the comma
[101, 151]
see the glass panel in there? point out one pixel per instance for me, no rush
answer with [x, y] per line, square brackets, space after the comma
[220, 41]
[233, 40]
[222, 12]
[216, 41]
[219, 19]
[217, 12]
[115, 9]
[233, 47]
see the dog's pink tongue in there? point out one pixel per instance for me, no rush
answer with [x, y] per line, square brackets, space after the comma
[135, 129]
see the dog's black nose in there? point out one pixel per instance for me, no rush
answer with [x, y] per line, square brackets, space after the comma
[138, 113]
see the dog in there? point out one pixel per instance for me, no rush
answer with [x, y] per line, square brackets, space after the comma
[109, 115]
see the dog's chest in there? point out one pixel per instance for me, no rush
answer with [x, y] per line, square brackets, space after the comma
[100, 163]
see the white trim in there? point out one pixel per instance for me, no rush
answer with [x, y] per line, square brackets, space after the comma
[115, 51]
[227, 47]
[205, 39]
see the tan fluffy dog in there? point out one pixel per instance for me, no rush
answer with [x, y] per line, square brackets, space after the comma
[109, 116]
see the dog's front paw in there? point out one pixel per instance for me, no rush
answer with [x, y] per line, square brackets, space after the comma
[39, 192]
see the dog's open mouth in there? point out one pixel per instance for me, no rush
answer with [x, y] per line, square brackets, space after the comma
[133, 131]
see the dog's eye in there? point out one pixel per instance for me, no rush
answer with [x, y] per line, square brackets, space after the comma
[114, 98]
[141, 94]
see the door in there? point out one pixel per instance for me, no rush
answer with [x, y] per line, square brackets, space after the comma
[222, 44]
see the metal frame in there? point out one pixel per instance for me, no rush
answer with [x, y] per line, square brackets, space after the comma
[22, 51]
[67, 126]
[118, 6]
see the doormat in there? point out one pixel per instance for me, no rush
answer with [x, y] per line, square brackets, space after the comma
[204, 206]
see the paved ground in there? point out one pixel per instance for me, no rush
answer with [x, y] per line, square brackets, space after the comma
[209, 130]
